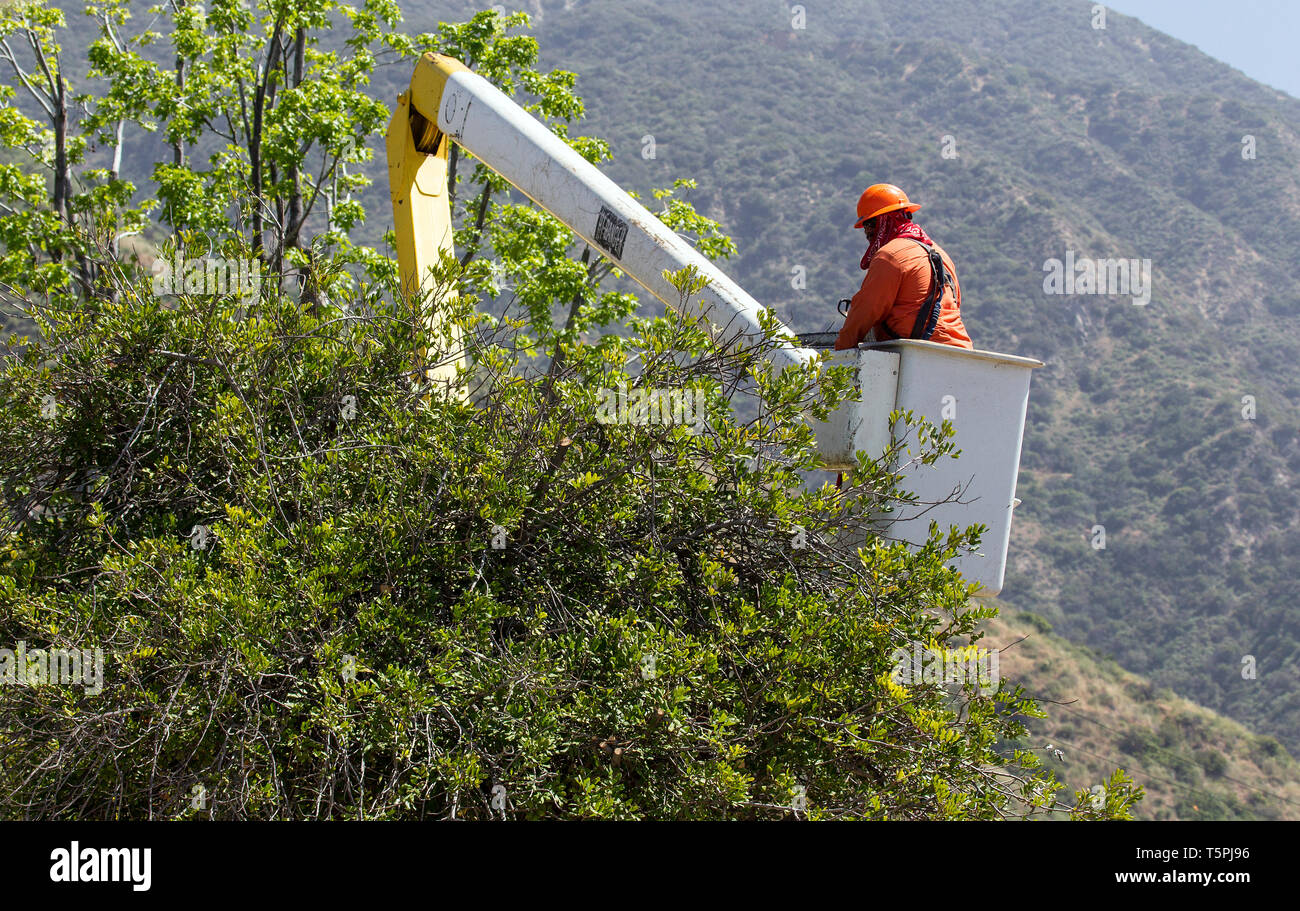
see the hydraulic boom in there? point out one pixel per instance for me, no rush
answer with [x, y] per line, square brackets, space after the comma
[447, 103]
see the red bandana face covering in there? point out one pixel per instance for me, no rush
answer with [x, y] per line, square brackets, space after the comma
[891, 226]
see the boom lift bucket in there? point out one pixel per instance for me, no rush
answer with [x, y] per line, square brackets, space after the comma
[984, 394]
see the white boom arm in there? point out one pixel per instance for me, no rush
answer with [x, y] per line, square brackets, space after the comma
[448, 100]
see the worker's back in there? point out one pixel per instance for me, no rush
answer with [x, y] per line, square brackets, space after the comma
[896, 286]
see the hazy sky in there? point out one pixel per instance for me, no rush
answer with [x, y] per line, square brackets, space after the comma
[1258, 37]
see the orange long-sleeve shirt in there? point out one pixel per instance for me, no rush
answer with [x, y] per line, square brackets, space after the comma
[892, 293]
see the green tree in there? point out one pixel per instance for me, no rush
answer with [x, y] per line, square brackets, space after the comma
[61, 215]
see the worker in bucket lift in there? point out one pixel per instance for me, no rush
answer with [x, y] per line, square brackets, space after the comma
[911, 288]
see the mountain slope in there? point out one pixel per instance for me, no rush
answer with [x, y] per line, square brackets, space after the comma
[1191, 762]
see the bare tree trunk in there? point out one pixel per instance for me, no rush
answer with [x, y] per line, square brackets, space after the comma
[293, 224]
[178, 146]
[115, 171]
[115, 242]
[62, 178]
[472, 247]
[453, 154]
[264, 84]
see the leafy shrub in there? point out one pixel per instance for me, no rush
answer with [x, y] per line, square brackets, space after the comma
[1213, 762]
[422, 608]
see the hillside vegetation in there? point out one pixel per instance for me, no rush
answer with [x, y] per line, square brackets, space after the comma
[1191, 762]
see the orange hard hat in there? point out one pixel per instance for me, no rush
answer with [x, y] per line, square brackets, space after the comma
[880, 198]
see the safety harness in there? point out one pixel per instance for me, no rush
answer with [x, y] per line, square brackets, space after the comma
[927, 318]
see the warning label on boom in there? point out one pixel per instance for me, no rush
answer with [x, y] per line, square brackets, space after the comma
[611, 232]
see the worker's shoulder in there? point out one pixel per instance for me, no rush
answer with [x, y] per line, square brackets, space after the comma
[905, 252]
